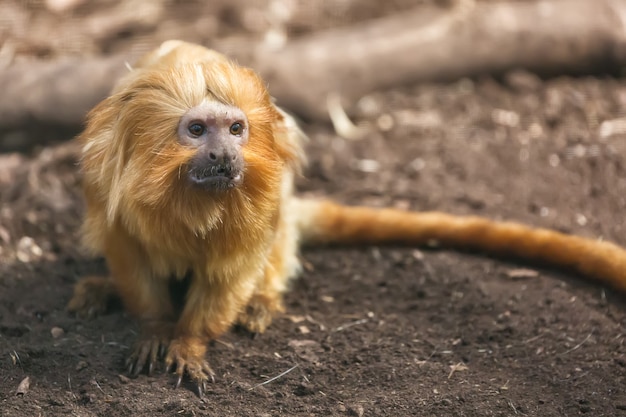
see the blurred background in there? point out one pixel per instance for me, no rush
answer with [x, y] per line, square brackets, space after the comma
[60, 57]
[511, 109]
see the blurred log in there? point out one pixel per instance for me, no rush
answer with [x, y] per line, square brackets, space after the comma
[41, 100]
[546, 37]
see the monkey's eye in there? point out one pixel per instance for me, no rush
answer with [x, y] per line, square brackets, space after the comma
[236, 129]
[196, 129]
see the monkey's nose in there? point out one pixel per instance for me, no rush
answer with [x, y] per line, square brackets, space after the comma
[216, 170]
[220, 164]
[222, 157]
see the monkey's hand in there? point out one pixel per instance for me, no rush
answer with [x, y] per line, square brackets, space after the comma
[187, 355]
[92, 295]
[258, 314]
[151, 346]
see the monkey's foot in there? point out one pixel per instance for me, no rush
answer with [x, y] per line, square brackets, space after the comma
[259, 313]
[151, 346]
[187, 355]
[92, 295]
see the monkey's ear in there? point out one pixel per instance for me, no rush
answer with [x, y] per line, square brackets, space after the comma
[289, 139]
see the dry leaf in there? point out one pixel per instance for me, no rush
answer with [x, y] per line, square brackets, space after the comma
[296, 319]
[522, 273]
[456, 368]
[23, 387]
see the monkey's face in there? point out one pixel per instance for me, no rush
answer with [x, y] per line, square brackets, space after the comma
[186, 142]
[217, 132]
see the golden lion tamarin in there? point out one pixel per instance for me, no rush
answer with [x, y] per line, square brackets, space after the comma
[188, 176]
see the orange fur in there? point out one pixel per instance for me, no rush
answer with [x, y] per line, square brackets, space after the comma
[328, 222]
[240, 245]
[151, 224]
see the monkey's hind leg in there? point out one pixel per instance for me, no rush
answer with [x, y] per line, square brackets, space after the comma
[267, 299]
[264, 303]
[92, 296]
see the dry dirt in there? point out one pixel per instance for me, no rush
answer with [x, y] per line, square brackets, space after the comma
[376, 331]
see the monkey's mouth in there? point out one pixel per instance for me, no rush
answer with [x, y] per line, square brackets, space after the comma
[216, 176]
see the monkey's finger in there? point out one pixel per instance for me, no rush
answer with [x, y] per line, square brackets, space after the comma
[180, 370]
[136, 368]
[201, 388]
[169, 364]
[129, 364]
[179, 379]
[141, 357]
[154, 352]
[208, 372]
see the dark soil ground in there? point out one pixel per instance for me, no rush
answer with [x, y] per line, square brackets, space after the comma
[375, 331]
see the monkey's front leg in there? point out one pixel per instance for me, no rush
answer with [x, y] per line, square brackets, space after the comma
[210, 309]
[148, 299]
[155, 336]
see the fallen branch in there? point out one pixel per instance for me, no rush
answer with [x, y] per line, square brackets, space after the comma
[546, 37]
[41, 99]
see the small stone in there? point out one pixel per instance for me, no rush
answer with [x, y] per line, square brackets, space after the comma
[57, 332]
[356, 411]
[505, 117]
[523, 81]
[304, 389]
[81, 365]
[385, 122]
[28, 250]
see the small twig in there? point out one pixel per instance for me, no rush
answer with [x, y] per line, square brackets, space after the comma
[532, 339]
[275, 378]
[16, 359]
[512, 406]
[346, 326]
[116, 344]
[228, 345]
[341, 122]
[98, 385]
[306, 379]
[69, 384]
[458, 367]
[577, 346]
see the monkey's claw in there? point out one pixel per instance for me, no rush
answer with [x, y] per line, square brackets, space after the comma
[189, 358]
[146, 352]
[91, 297]
[258, 315]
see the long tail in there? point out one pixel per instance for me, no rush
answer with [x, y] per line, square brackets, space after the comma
[328, 222]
